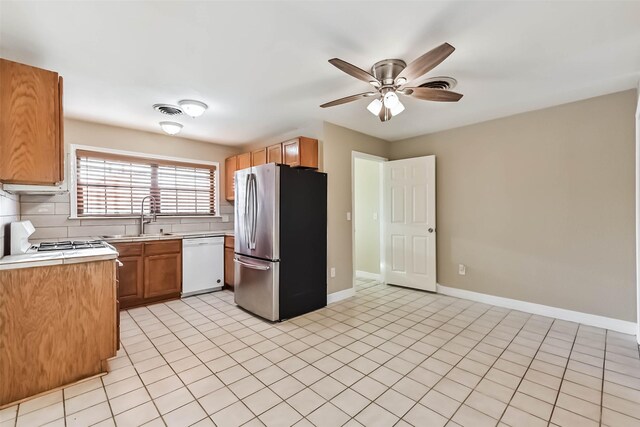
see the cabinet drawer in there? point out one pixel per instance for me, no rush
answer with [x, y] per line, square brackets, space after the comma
[162, 247]
[128, 249]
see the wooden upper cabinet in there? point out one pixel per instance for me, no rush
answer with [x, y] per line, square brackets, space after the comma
[230, 166]
[301, 152]
[31, 130]
[274, 153]
[259, 157]
[244, 161]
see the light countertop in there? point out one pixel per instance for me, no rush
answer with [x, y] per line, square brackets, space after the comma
[41, 259]
[168, 236]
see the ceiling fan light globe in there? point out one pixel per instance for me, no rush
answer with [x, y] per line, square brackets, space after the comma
[171, 128]
[399, 108]
[375, 106]
[400, 81]
[390, 99]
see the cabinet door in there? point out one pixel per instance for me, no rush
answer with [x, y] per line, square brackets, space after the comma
[229, 169]
[162, 275]
[131, 285]
[259, 157]
[31, 144]
[274, 153]
[228, 267]
[291, 152]
[244, 161]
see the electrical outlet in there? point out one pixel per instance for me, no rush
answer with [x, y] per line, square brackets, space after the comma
[375, 216]
[462, 269]
[225, 218]
[348, 216]
[333, 272]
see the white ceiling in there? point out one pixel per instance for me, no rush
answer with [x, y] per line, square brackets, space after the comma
[262, 66]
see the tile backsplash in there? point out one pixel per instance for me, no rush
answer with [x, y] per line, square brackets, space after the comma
[50, 217]
[9, 212]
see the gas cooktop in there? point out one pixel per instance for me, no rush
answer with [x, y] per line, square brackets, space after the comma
[69, 245]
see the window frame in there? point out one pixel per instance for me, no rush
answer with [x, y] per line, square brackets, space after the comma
[73, 188]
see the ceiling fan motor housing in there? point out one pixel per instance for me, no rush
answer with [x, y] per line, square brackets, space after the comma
[387, 70]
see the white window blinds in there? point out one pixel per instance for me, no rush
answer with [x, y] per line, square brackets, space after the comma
[114, 185]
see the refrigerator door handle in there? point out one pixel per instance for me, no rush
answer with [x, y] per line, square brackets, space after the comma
[254, 229]
[246, 209]
[252, 266]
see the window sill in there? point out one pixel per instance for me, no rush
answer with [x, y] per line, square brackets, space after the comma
[159, 217]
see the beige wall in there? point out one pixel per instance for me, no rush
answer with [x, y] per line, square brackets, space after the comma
[366, 186]
[336, 146]
[540, 206]
[50, 214]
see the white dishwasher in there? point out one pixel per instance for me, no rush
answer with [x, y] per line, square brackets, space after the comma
[202, 264]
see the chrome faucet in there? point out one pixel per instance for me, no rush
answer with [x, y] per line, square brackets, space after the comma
[153, 213]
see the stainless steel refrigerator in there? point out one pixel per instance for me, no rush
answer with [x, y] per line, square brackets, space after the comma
[280, 240]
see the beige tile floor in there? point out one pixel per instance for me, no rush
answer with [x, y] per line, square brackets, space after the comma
[388, 356]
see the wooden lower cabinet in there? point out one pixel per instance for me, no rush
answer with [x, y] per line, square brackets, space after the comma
[229, 267]
[151, 272]
[163, 275]
[58, 325]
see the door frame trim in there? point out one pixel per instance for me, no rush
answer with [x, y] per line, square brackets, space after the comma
[360, 155]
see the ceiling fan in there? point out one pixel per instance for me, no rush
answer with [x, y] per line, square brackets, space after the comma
[389, 78]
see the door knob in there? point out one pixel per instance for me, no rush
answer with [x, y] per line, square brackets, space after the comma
[430, 230]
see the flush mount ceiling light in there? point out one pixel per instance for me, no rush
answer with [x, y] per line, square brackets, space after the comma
[389, 76]
[193, 108]
[172, 128]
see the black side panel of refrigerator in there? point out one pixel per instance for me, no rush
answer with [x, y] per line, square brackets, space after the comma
[303, 241]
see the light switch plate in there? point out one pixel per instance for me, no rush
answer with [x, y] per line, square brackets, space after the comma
[348, 216]
[225, 218]
[462, 269]
[333, 272]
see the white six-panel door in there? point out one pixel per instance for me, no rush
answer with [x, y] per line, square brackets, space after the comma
[409, 222]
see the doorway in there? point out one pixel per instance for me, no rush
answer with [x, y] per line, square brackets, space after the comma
[366, 208]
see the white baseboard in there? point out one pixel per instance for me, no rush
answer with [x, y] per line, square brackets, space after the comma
[340, 295]
[617, 325]
[368, 275]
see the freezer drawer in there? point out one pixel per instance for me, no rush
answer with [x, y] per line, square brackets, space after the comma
[256, 287]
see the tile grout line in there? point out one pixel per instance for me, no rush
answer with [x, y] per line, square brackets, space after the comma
[604, 368]
[493, 364]
[449, 340]
[555, 402]
[405, 375]
[525, 372]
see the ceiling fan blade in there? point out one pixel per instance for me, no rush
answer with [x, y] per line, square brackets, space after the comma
[348, 99]
[354, 71]
[429, 94]
[426, 62]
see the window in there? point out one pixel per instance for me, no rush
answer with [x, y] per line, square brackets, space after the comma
[114, 185]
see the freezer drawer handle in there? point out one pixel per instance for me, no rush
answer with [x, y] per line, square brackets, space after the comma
[253, 266]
